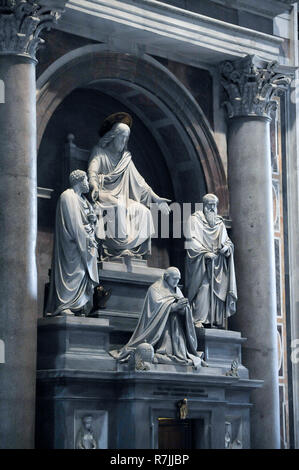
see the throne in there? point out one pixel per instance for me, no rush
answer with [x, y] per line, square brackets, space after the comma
[75, 158]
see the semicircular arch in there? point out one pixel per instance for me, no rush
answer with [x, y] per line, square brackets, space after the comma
[194, 148]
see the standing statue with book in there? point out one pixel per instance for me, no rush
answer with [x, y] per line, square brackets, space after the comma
[74, 273]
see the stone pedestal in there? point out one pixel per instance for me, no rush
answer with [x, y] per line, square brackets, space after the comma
[221, 348]
[73, 343]
[77, 377]
[129, 285]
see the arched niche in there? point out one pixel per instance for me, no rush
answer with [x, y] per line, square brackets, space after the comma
[155, 95]
[160, 103]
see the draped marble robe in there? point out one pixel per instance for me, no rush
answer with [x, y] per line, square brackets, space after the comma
[202, 239]
[172, 334]
[125, 195]
[86, 439]
[74, 271]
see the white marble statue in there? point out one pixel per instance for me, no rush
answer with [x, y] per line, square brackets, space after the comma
[85, 437]
[165, 323]
[210, 274]
[74, 271]
[119, 189]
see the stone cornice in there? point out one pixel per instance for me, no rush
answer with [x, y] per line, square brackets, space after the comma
[21, 22]
[165, 30]
[251, 84]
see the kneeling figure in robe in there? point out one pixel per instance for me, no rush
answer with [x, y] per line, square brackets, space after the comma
[165, 323]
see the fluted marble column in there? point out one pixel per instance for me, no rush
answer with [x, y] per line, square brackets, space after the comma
[20, 25]
[250, 86]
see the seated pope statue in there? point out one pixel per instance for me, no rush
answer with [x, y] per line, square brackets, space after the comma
[121, 194]
[210, 272]
[74, 272]
[165, 323]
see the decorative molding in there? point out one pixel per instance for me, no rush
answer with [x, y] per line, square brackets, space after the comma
[21, 22]
[251, 85]
[161, 29]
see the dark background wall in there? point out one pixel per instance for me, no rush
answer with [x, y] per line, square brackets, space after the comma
[57, 43]
[198, 81]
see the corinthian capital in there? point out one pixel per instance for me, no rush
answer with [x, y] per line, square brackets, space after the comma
[21, 22]
[251, 84]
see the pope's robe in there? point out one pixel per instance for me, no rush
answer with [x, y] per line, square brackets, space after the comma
[124, 199]
[74, 271]
[172, 334]
[202, 239]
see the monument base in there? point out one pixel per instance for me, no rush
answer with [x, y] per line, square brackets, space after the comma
[77, 377]
[221, 348]
[74, 343]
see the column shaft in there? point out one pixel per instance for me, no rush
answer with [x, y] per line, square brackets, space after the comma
[18, 225]
[250, 186]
